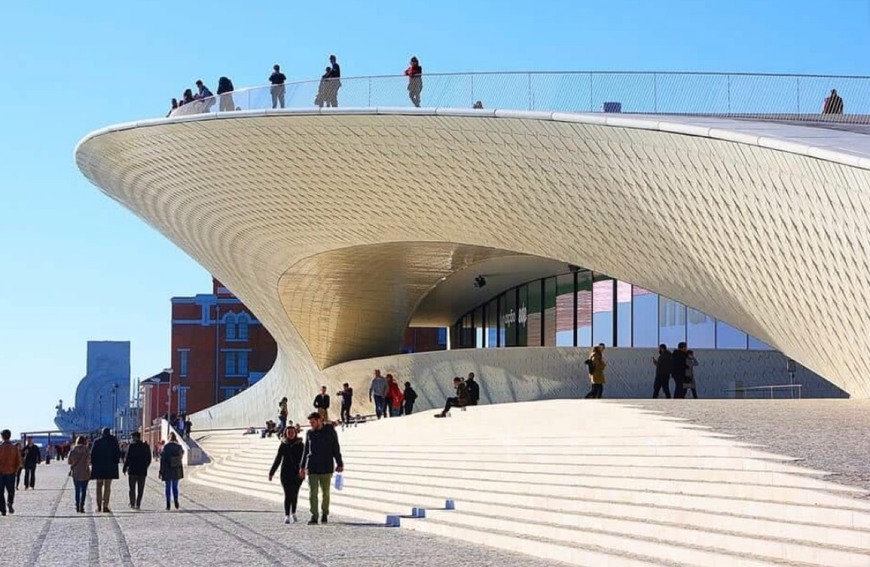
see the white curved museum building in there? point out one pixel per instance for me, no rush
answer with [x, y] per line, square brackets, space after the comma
[531, 224]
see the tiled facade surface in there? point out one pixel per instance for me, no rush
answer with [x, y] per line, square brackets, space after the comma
[758, 233]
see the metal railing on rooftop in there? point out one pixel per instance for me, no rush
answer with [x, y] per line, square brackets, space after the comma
[739, 95]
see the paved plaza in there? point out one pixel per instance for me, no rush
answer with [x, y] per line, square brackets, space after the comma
[212, 528]
[828, 435]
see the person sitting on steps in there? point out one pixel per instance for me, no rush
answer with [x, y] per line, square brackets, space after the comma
[461, 399]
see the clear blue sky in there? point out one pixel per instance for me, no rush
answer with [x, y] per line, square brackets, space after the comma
[77, 267]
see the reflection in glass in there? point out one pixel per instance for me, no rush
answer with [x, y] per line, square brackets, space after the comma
[565, 310]
[510, 318]
[755, 344]
[645, 314]
[522, 315]
[534, 314]
[584, 308]
[700, 329]
[672, 322]
[729, 337]
[623, 314]
[550, 312]
[492, 324]
[602, 310]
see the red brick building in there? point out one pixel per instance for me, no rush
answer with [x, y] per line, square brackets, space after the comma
[218, 349]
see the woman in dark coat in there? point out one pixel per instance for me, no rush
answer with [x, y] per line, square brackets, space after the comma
[290, 458]
[225, 89]
[172, 468]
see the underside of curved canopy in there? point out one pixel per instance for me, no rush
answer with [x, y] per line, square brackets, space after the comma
[340, 229]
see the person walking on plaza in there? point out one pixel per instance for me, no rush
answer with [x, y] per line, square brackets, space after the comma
[321, 404]
[333, 82]
[410, 396]
[395, 398]
[596, 366]
[378, 393]
[689, 383]
[663, 371]
[282, 416]
[277, 90]
[20, 448]
[289, 458]
[105, 456]
[473, 390]
[171, 468]
[79, 462]
[678, 370]
[346, 395]
[320, 458]
[10, 462]
[136, 468]
[460, 400]
[32, 458]
[414, 72]
[188, 427]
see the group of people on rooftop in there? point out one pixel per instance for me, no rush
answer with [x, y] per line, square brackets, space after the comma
[327, 92]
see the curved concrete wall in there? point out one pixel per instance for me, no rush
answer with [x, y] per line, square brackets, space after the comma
[767, 234]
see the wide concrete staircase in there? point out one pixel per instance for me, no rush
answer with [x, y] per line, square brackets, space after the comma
[585, 482]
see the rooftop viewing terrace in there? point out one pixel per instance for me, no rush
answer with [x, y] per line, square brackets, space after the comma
[814, 98]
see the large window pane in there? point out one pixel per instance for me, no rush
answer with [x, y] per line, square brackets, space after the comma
[602, 310]
[510, 318]
[623, 314]
[729, 337]
[492, 324]
[550, 312]
[755, 344]
[523, 315]
[565, 310]
[478, 327]
[645, 311]
[672, 322]
[584, 308]
[700, 329]
[502, 333]
[534, 314]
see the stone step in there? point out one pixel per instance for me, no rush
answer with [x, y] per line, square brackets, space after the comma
[544, 549]
[553, 500]
[626, 535]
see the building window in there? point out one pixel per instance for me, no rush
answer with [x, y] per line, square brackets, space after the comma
[230, 358]
[230, 326]
[603, 289]
[244, 322]
[645, 315]
[242, 365]
[182, 362]
[182, 399]
[442, 336]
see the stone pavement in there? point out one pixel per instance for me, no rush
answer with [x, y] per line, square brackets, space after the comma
[212, 528]
[831, 435]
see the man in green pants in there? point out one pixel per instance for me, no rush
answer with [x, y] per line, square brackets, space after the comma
[320, 454]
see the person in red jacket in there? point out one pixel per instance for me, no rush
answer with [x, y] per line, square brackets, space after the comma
[395, 395]
[10, 462]
[414, 72]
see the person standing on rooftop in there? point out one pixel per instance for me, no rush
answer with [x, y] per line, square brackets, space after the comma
[414, 72]
[277, 79]
[10, 462]
[833, 103]
[224, 90]
[204, 95]
[333, 82]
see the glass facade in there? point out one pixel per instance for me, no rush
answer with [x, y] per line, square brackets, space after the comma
[583, 308]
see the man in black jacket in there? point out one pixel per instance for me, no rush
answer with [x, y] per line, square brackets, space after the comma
[473, 390]
[136, 468]
[321, 449]
[105, 456]
[678, 370]
[31, 457]
[663, 371]
[321, 404]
